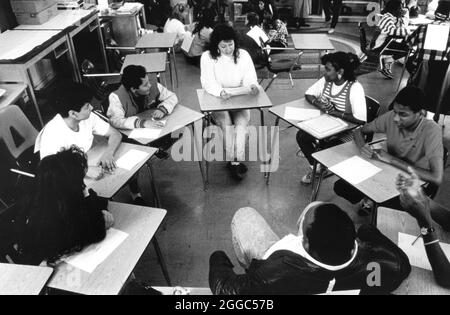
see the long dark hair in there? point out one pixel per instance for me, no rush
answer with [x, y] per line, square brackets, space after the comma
[342, 60]
[206, 19]
[223, 33]
[54, 215]
[393, 7]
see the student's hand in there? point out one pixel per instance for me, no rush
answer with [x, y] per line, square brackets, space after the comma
[158, 114]
[95, 173]
[382, 156]
[367, 151]
[412, 198]
[153, 124]
[224, 95]
[254, 90]
[109, 219]
[107, 162]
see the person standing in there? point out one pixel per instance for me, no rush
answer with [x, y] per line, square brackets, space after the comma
[332, 10]
[302, 8]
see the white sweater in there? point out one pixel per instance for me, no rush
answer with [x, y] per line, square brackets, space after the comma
[222, 73]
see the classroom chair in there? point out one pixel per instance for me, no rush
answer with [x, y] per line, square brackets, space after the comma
[19, 136]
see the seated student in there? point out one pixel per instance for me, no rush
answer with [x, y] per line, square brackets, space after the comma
[412, 140]
[327, 254]
[175, 24]
[417, 41]
[425, 210]
[394, 23]
[60, 216]
[339, 94]
[278, 37]
[265, 10]
[202, 34]
[74, 125]
[227, 71]
[249, 44]
[413, 7]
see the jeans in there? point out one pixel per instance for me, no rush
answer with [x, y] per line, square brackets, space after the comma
[332, 7]
[252, 236]
[235, 146]
[308, 144]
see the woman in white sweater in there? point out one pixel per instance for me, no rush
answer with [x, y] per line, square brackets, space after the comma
[228, 71]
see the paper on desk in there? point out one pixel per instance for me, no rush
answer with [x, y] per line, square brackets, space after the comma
[300, 114]
[92, 256]
[355, 170]
[145, 133]
[434, 36]
[417, 254]
[130, 159]
[324, 124]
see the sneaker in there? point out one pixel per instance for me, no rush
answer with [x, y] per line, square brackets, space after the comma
[331, 31]
[307, 179]
[234, 171]
[242, 168]
[366, 207]
[300, 153]
[139, 201]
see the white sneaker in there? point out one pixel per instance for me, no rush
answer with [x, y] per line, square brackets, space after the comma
[331, 31]
[307, 179]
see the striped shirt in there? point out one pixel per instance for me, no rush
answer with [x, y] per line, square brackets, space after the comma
[390, 26]
[339, 101]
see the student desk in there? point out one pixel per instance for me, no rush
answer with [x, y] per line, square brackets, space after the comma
[421, 281]
[181, 117]
[109, 278]
[192, 291]
[209, 104]
[72, 22]
[13, 93]
[110, 184]
[23, 280]
[280, 111]
[153, 63]
[164, 41]
[20, 50]
[313, 42]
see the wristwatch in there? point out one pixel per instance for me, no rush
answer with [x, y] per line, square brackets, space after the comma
[427, 231]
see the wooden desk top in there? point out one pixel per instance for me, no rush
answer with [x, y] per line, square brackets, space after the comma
[64, 20]
[141, 224]
[210, 103]
[13, 92]
[110, 184]
[280, 111]
[153, 63]
[157, 40]
[23, 280]
[379, 188]
[192, 291]
[420, 282]
[312, 42]
[17, 44]
[180, 117]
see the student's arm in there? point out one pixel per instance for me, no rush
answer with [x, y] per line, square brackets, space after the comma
[207, 77]
[107, 159]
[420, 207]
[116, 115]
[359, 108]
[249, 80]
[314, 95]
[168, 102]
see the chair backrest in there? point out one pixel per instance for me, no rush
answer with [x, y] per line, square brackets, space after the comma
[373, 110]
[16, 130]
[362, 37]
[365, 43]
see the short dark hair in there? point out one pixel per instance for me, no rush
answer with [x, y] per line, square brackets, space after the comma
[253, 19]
[72, 96]
[342, 60]
[132, 76]
[332, 235]
[412, 97]
[393, 7]
[223, 33]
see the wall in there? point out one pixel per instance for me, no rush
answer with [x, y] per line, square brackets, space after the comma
[7, 17]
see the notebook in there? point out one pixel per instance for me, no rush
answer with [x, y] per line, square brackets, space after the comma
[323, 126]
[434, 38]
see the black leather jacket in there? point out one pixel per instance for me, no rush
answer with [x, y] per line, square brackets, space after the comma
[285, 272]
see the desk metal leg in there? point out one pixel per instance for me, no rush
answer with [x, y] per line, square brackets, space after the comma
[170, 70]
[267, 175]
[316, 188]
[73, 60]
[199, 148]
[374, 215]
[153, 185]
[161, 260]
[175, 65]
[206, 125]
[102, 47]
[33, 97]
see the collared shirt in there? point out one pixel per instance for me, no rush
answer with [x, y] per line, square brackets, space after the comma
[417, 41]
[417, 148]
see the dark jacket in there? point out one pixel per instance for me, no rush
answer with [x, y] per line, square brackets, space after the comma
[285, 272]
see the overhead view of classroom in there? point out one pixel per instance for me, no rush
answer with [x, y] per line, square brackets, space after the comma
[224, 147]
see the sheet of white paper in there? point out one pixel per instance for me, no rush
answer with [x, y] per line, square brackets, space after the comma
[300, 114]
[130, 159]
[417, 254]
[92, 256]
[325, 124]
[187, 42]
[145, 133]
[257, 33]
[350, 292]
[434, 37]
[355, 170]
